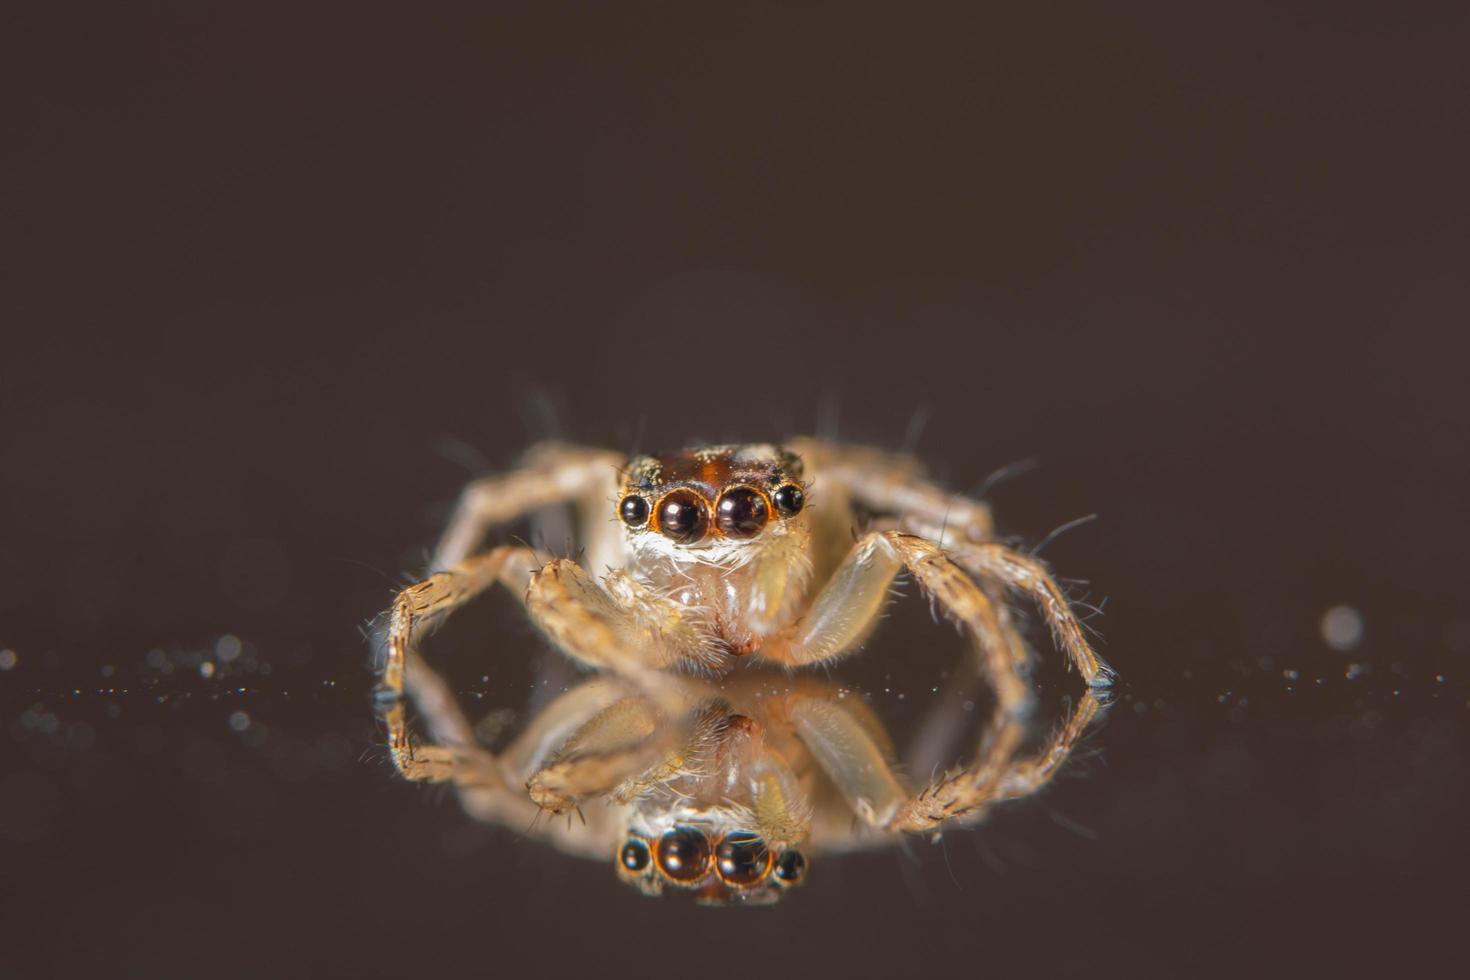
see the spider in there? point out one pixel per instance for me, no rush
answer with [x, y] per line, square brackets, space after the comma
[724, 785]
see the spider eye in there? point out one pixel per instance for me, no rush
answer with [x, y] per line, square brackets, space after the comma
[742, 859]
[681, 516]
[683, 854]
[633, 510]
[789, 499]
[634, 855]
[741, 513]
[790, 867]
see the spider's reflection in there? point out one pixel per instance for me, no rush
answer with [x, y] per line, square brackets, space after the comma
[726, 789]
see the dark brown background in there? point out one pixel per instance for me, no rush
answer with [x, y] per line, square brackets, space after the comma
[275, 282]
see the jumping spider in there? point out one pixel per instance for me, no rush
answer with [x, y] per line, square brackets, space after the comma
[724, 785]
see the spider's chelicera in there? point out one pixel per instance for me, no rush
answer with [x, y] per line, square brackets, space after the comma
[724, 785]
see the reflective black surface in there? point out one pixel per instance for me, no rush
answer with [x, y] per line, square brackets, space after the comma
[276, 283]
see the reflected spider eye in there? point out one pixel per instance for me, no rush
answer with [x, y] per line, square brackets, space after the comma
[683, 854]
[790, 867]
[741, 513]
[681, 516]
[633, 510]
[789, 499]
[634, 855]
[742, 859]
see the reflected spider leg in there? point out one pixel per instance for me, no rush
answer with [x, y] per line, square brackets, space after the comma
[613, 745]
[847, 608]
[853, 759]
[493, 788]
[625, 751]
[456, 758]
[1029, 775]
[862, 772]
[995, 776]
[555, 723]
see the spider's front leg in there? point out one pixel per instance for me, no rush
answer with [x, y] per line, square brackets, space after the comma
[619, 624]
[621, 628]
[415, 610]
[1011, 569]
[894, 485]
[553, 474]
[847, 608]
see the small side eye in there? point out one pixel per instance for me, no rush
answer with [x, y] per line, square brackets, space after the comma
[741, 513]
[633, 510]
[790, 867]
[634, 855]
[682, 516]
[789, 499]
[683, 854]
[742, 859]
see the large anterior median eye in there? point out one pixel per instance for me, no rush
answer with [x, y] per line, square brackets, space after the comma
[681, 516]
[741, 512]
[683, 854]
[742, 859]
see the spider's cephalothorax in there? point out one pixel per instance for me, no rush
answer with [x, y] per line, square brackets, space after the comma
[723, 529]
[724, 786]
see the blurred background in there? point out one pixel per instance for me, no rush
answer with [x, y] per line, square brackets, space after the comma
[276, 281]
